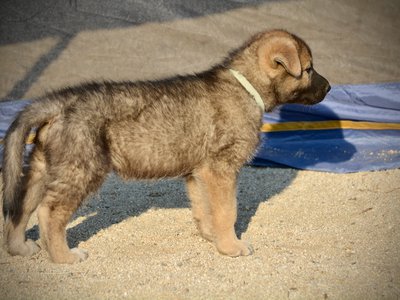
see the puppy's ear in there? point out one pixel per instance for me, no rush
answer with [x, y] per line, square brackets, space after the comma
[281, 51]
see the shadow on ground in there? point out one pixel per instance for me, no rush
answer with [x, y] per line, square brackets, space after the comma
[118, 200]
[25, 20]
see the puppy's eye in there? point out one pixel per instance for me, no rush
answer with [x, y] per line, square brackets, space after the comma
[308, 70]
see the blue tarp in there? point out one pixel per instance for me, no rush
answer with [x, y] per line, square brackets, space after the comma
[339, 150]
[8, 111]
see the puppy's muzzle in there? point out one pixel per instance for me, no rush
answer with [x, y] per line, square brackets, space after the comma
[320, 87]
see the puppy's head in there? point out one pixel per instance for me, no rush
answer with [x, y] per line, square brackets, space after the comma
[287, 62]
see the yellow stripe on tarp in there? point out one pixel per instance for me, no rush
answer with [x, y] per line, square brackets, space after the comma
[31, 138]
[334, 124]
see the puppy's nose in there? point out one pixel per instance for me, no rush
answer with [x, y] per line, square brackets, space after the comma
[328, 88]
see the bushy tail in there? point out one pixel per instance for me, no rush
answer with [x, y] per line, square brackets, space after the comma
[14, 143]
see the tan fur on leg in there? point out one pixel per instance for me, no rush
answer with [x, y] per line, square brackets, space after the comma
[14, 234]
[200, 207]
[221, 191]
[53, 222]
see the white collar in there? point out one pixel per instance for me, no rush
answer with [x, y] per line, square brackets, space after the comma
[249, 88]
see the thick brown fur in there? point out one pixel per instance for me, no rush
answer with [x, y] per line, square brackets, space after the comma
[202, 127]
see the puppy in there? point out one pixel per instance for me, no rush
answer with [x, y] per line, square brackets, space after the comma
[202, 127]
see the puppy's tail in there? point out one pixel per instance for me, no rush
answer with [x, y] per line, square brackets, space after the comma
[14, 143]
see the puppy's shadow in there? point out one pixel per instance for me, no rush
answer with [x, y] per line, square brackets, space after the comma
[118, 200]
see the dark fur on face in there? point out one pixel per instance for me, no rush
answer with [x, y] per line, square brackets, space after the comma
[202, 127]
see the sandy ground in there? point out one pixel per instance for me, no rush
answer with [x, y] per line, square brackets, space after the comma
[315, 235]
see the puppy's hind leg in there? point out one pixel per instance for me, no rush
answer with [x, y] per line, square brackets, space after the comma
[62, 198]
[14, 229]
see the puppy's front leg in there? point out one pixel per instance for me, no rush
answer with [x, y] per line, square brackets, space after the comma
[200, 207]
[221, 191]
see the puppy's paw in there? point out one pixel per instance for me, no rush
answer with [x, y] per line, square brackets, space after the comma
[27, 248]
[205, 231]
[235, 248]
[73, 256]
[33, 247]
[81, 254]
